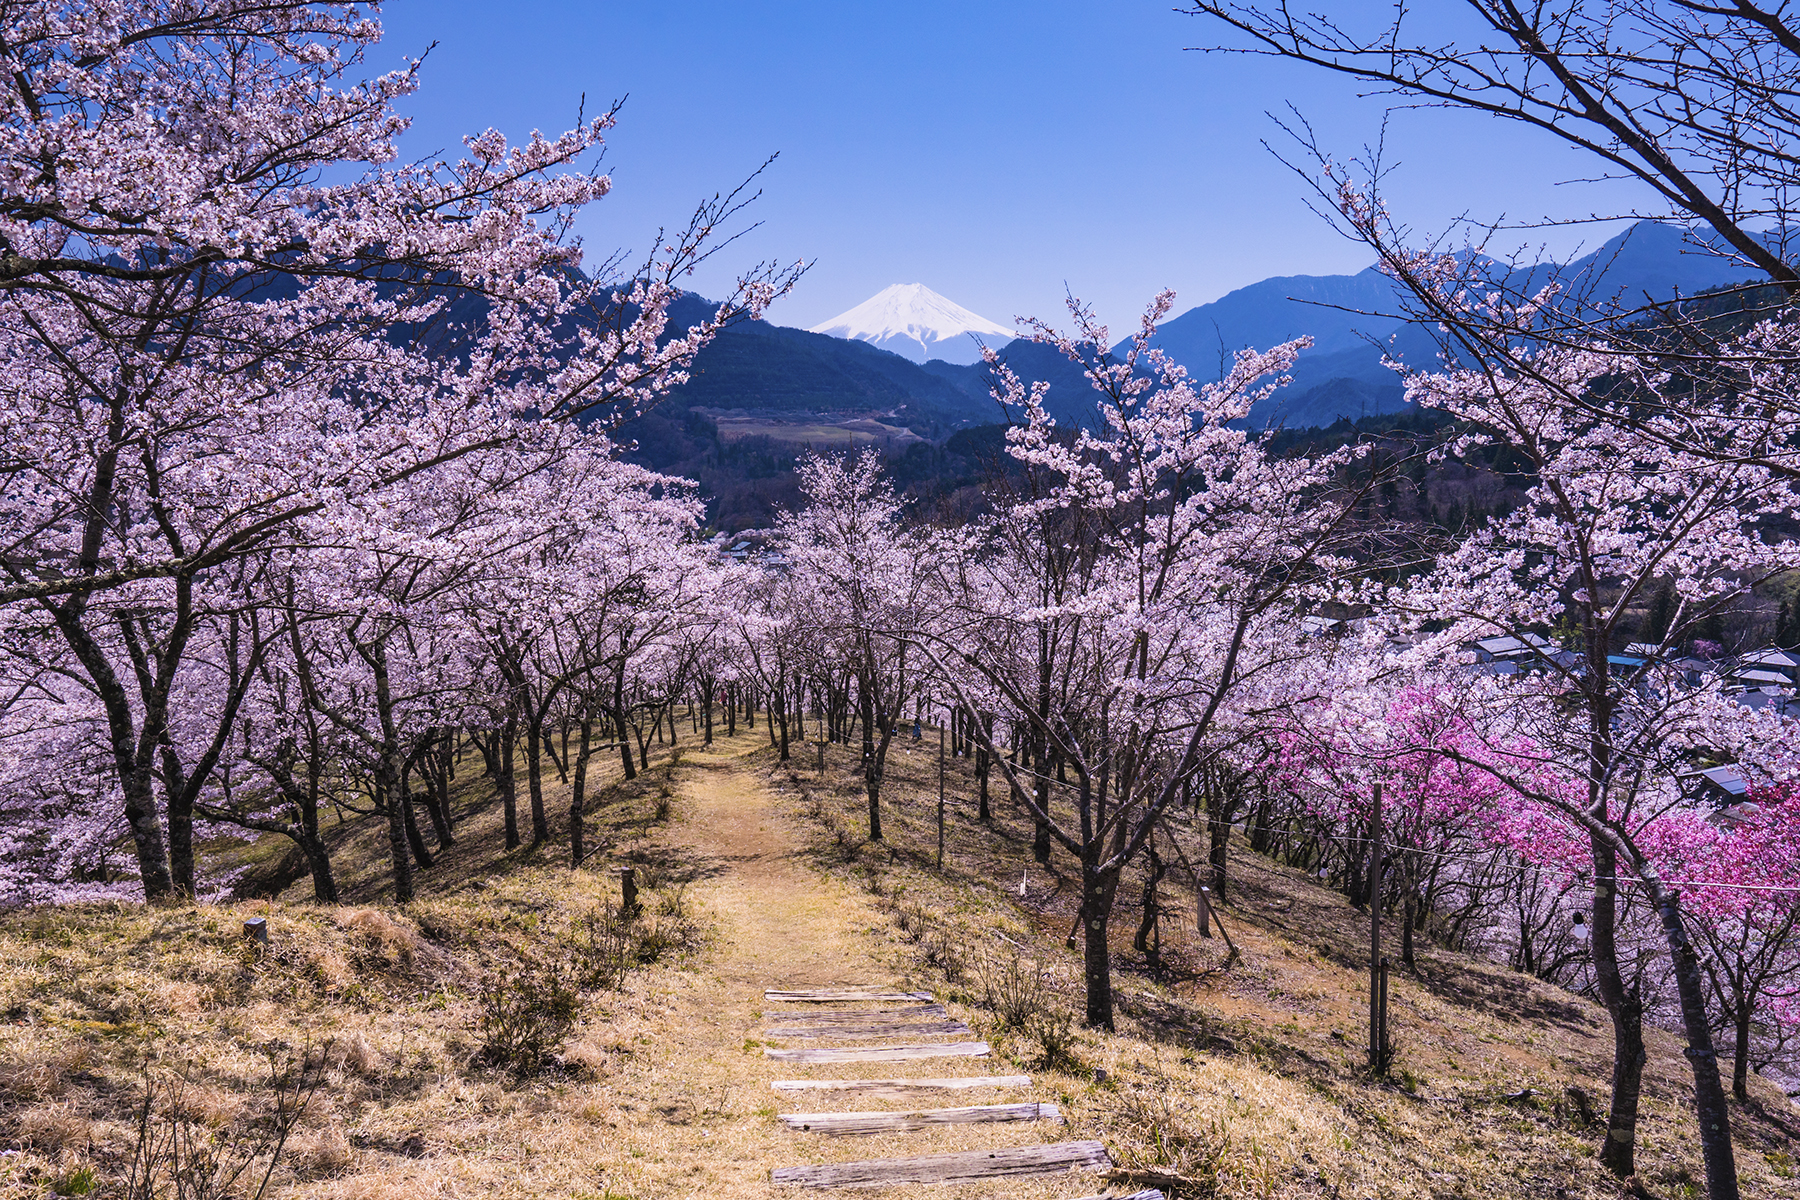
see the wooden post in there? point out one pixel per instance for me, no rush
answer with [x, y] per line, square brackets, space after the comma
[1203, 901]
[1377, 1026]
[940, 815]
[628, 901]
[821, 758]
[1381, 1021]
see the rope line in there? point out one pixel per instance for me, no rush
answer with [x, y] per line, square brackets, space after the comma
[1531, 870]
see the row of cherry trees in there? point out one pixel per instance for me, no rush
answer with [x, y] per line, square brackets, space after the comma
[289, 420]
[310, 492]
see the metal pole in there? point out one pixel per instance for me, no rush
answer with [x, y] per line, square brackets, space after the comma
[1375, 988]
[940, 861]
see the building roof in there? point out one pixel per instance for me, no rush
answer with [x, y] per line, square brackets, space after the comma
[1509, 644]
[1781, 660]
[1727, 779]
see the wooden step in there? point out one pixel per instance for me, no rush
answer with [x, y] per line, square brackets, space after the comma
[881, 1053]
[835, 995]
[868, 1029]
[967, 1166]
[848, 1124]
[828, 1016]
[902, 1089]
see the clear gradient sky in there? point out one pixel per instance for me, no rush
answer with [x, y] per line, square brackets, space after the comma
[994, 150]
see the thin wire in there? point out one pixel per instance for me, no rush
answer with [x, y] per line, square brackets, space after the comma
[1476, 858]
[1539, 871]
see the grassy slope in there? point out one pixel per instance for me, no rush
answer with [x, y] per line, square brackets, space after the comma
[1244, 1081]
[1261, 1066]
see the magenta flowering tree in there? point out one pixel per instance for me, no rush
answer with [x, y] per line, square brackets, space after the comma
[1741, 898]
[1612, 513]
[1439, 804]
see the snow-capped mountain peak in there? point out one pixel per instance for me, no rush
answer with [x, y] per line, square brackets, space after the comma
[912, 320]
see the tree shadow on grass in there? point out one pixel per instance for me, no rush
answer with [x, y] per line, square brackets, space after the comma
[1314, 916]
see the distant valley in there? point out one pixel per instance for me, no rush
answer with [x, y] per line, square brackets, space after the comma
[762, 393]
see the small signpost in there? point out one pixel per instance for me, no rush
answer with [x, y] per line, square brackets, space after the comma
[628, 901]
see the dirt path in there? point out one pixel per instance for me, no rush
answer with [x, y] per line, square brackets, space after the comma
[782, 923]
[704, 1122]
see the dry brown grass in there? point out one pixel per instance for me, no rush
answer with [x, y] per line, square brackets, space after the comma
[1247, 1079]
[1222, 1083]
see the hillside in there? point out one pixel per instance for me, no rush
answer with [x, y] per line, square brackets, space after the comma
[763, 393]
[1230, 1076]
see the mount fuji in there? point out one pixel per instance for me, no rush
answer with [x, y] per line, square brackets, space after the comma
[911, 320]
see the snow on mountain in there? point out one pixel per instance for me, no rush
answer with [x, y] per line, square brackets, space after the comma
[910, 319]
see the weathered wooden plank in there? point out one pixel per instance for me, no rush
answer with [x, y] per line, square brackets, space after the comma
[903, 1089]
[881, 1053]
[833, 995]
[826, 1016]
[849, 1124]
[865, 1029]
[966, 1166]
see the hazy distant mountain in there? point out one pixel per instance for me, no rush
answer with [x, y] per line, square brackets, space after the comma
[1349, 319]
[911, 320]
[848, 364]
[772, 369]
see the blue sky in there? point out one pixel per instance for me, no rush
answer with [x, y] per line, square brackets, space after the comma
[995, 150]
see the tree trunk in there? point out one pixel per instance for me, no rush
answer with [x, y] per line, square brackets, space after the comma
[414, 838]
[983, 768]
[1218, 850]
[135, 781]
[318, 861]
[509, 797]
[871, 775]
[1097, 890]
[618, 714]
[439, 806]
[1040, 838]
[1626, 1009]
[1740, 1058]
[534, 779]
[577, 794]
[1406, 931]
[779, 715]
[1709, 1095]
[390, 777]
[1148, 941]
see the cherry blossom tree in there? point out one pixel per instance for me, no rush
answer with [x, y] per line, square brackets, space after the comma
[228, 314]
[1127, 614]
[859, 582]
[1612, 513]
[1742, 901]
